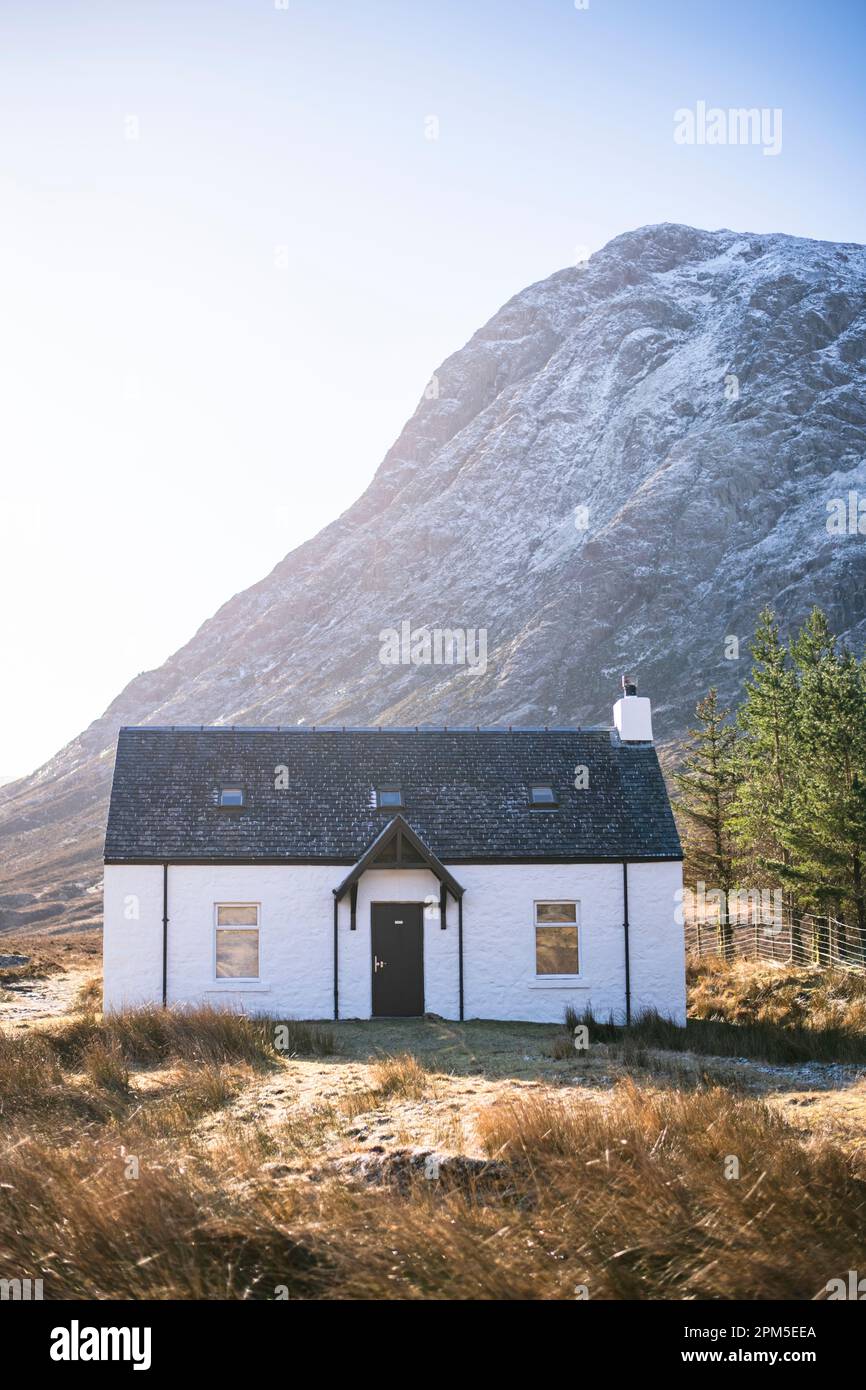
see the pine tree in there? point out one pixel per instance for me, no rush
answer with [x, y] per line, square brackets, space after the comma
[824, 832]
[767, 765]
[707, 784]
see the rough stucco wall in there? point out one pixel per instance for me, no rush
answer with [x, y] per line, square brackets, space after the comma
[296, 942]
[132, 935]
[658, 976]
[499, 940]
[295, 937]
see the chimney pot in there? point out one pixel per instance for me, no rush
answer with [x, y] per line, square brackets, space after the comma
[632, 714]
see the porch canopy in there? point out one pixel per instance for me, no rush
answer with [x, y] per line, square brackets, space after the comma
[397, 846]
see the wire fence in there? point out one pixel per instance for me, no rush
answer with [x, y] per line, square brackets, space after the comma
[811, 940]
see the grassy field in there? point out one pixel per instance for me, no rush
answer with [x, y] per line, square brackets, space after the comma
[202, 1155]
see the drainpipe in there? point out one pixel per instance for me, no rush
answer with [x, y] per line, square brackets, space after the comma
[164, 936]
[625, 942]
[336, 961]
[460, 950]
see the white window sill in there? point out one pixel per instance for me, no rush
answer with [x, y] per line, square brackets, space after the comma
[238, 987]
[559, 982]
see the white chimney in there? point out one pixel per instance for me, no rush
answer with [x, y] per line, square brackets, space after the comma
[632, 714]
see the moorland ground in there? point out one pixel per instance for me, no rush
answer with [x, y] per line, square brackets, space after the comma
[186, 1155]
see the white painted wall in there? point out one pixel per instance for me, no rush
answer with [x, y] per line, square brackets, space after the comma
[296, 941]
[132, 935]
[658, 976]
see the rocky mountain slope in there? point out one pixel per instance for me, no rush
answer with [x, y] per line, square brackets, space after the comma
[618, 470]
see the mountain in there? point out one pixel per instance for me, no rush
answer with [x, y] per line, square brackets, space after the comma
[616, 472]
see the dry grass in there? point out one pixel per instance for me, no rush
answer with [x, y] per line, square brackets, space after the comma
[630, 1200]
[623, 1191]
[783, 1016]
[105, 1065]
[394, 1078]
[36, 965]
[30, 1077]
[789, 997]
[204, 1035]
[402, 1076]
[88, 997]
[194, 1094]
[80, 1068]
[641, 1188]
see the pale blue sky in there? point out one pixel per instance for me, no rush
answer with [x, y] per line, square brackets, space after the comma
[211, 333]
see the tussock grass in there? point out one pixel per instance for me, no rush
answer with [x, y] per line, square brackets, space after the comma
[394, 1078]
[791, 997]
[767, 1042]
[36, 965]
[402, 1076]
[781, 1016]
[93, 1231]
[35, 1090]
[628, 1198]
[88, 997]
[40, 1070]
[784, 1015]
[104, 1063]
[642, 1188]
[204, 1034]
[195, 1094]
[30, 1076]
[628, 1192]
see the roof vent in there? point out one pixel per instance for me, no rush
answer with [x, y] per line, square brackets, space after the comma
[629, 685]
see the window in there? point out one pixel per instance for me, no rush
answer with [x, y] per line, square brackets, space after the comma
[556, 938]
[237, 941]
[542, 794]
[231, 796]
[388, 797]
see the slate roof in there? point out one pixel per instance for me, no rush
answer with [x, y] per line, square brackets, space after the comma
[465, 793]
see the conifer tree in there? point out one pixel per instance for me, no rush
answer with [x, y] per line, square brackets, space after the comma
[824, 832]
[706, 784]
[766, 753]
[767, 766]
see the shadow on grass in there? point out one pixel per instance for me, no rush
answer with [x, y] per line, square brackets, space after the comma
[766, 1042]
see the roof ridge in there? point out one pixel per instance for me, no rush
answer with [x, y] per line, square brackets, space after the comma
[364, 729]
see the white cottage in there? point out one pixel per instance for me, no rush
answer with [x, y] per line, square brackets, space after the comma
[356, 873]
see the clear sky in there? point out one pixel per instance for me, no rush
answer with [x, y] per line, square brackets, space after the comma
[231, 255]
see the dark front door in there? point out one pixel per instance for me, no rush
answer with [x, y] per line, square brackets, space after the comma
[397, 931]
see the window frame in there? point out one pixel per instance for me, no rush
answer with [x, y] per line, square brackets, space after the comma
[231, 805]
[218, 926]
[534, 805]
[391, 805]
[570, 975]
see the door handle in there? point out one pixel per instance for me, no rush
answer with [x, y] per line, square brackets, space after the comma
[379, 964]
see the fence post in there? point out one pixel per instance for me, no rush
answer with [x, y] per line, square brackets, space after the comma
[830, 934]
